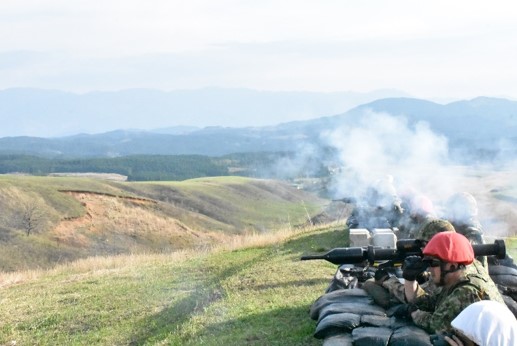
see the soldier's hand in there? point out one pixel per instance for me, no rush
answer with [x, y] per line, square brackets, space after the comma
[413, 266]
[402, 311]
[446, 339]
[454, 341]
[381, 275]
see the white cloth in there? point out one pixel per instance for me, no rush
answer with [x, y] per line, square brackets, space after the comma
[487, 323]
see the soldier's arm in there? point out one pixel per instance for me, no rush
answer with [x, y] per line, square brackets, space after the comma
[449, 308]
[410, 289]
[416, 294]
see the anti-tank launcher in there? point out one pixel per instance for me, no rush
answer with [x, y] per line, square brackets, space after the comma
[406, 247]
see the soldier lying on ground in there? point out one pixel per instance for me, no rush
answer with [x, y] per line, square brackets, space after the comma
[389, 291]
[447, 255]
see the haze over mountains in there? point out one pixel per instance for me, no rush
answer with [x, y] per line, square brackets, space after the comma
[479, 129]
[52, 113]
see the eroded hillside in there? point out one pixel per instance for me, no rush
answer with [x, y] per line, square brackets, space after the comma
[48, 220]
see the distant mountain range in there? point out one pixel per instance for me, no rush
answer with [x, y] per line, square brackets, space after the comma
[52, 113]
[475, 129]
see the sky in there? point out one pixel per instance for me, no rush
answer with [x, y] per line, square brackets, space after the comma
[429, 49]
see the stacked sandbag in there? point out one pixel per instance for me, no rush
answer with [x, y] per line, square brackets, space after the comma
[350, 317]
[504, 274]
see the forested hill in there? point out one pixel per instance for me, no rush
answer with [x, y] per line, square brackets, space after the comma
[138, 167]
[166, 167]
[476, 129]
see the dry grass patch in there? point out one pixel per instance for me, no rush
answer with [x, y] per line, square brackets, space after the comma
[102, 264]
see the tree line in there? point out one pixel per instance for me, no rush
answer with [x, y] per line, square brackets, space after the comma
[152, 167]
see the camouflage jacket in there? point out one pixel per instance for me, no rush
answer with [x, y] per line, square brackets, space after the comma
[438, 310]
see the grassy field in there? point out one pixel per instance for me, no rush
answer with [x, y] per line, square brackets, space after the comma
[256, 295]
[255, 291]
[245, 284]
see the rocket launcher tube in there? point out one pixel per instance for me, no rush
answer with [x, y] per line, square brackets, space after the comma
[355, 255]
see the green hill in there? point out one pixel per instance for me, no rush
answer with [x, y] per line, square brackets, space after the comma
[50, 220]
[256, 295]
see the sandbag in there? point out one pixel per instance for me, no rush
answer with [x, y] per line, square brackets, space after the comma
[339, 340]
[507, 261]
[371, 336]
[338, 297]
[505, 280]
[351, 307]
[511, 304]
[500, 269]
[377, 321]
[336, 324]
[410, 336]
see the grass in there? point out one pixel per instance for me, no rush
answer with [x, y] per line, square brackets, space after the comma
[222, 198]
[511, 247]
[256, 295]
[251, 291]
[103, 218]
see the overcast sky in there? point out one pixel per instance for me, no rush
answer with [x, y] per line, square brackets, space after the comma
[430, 49]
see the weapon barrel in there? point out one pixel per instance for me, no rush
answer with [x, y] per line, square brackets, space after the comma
[355, 255]
[340, 255]
[498, 248]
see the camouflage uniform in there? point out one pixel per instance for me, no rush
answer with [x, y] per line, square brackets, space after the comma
[395, 289]
[438, 310]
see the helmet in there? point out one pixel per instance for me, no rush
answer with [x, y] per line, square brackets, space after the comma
[450, 247]
[433, 227]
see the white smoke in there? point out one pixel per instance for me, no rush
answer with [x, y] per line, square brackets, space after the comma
[303, 163]
[379, 145]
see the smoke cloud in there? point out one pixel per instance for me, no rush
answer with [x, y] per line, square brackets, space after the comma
[380, 146]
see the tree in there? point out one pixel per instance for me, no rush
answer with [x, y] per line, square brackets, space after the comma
[31, 218]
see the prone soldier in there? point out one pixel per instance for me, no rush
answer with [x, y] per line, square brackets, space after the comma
[392, 291]
[448, 255]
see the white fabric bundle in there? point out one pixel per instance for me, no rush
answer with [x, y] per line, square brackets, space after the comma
[487, 323]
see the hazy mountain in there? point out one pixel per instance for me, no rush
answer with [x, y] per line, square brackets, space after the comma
[480, 126]
[482, 117]
[51, 113]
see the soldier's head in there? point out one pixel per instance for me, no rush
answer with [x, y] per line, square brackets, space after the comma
[433, 227]
[447, 254]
